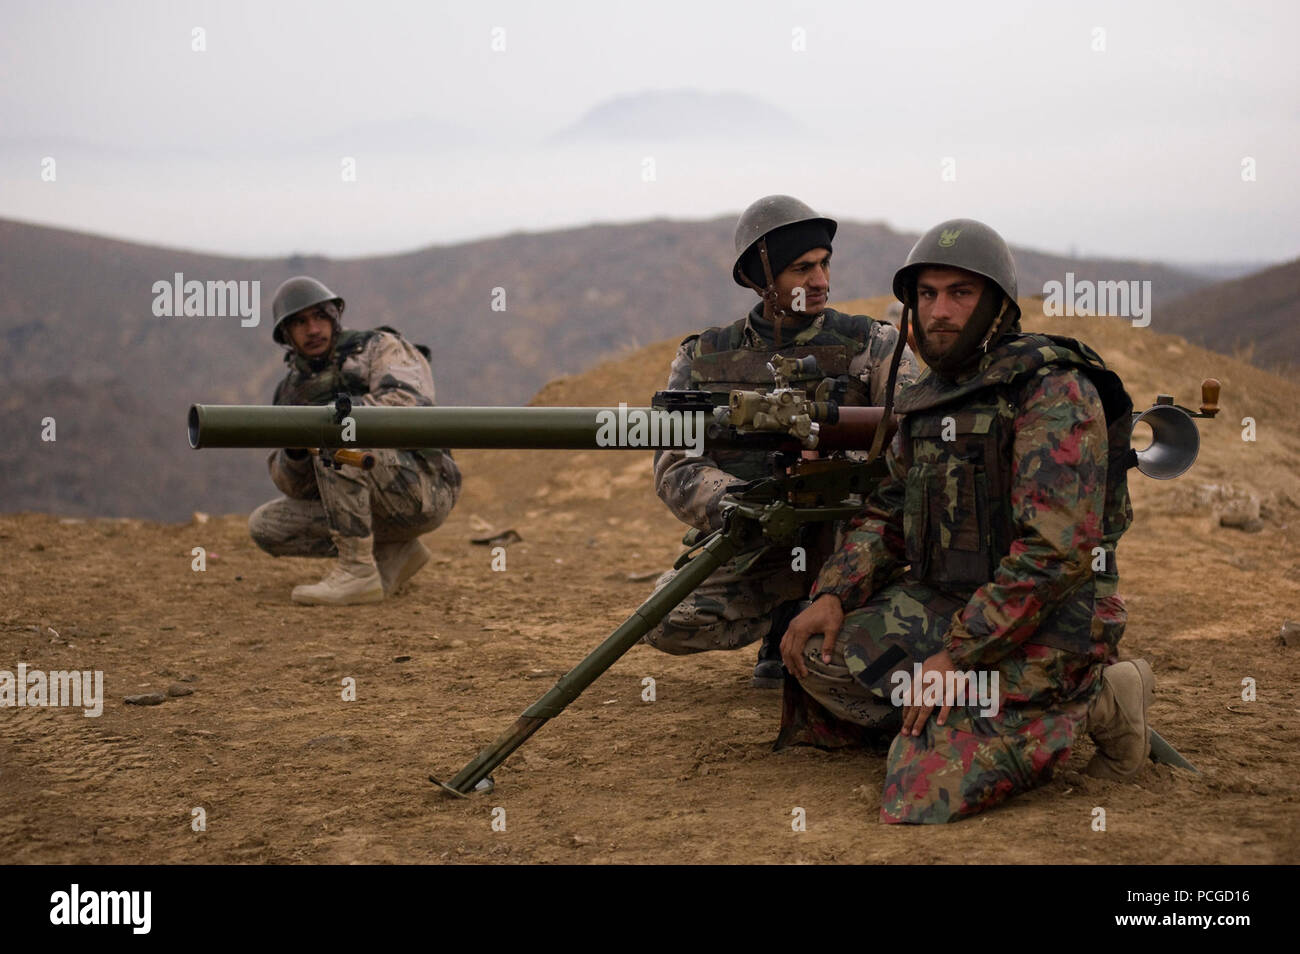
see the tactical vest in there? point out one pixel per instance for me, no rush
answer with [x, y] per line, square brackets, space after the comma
[957, 518]
[316, 382]
[721, 363]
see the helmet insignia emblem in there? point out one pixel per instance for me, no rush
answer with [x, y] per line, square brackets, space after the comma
[948, 238]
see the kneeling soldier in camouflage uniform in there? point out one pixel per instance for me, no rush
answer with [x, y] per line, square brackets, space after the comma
[783, 253]
[990, 547]
[371, 520]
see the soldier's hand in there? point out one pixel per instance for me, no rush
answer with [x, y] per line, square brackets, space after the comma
[824, 616]
[914, 717]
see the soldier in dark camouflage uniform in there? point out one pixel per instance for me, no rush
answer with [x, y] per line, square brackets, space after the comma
[784, 251]
[991, 546]
[371, 520]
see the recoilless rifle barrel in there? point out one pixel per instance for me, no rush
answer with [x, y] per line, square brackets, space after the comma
[518, 428]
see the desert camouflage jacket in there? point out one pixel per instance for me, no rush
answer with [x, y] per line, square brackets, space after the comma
[735, 356]
[998, 495]
[375, 367]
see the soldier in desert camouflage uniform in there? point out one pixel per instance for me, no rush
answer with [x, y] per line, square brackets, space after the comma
[991, 546]
[371, 520]
[784, 251]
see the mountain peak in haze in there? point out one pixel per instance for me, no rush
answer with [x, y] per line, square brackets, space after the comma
[681, 114]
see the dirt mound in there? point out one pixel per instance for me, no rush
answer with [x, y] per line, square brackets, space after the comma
[285, 770]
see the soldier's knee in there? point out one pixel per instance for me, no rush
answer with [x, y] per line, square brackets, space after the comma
[279, 528]
[444, 499]
[262, 530]
[451, 477]
[433, 513]
[819, 676]
[442, 480]
[429, 501]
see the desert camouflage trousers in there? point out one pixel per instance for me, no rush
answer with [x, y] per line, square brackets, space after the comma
[400, 498]
[973, 762]
[733, 607]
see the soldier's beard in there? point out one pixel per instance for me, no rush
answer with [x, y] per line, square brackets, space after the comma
[936, 349]
[963, 349]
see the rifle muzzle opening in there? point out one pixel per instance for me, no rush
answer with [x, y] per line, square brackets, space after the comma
[193, 426]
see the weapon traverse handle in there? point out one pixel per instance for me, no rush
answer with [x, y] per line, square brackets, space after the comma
[1210, 388]
[353, 458]
[716, 552]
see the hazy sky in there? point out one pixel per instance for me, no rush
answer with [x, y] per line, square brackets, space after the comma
[1111, 128]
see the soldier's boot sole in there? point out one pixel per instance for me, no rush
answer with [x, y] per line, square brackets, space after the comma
[398, 562]
[1122, 732]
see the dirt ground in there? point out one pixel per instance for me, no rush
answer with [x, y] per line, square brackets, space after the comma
[285, 770]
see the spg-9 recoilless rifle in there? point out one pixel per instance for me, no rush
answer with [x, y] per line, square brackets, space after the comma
[803, 489]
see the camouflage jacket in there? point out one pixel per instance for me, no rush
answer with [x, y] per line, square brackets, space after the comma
[735, 356]
[375, 367]
[1005, 488]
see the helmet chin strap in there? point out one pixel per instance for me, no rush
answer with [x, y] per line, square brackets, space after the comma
[768, 293]
[770, 311]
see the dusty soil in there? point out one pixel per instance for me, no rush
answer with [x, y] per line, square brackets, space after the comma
[286, 770]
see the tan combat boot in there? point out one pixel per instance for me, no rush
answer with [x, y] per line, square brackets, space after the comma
[354, 579]
[1117, 720]
[399, 561]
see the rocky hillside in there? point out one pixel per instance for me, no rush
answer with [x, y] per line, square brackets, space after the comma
[1256, 316]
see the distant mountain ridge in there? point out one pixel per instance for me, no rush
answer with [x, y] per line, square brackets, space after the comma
[681, 114]
[83, 346]
[1257, 314]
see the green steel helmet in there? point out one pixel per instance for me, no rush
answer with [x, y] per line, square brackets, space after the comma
[959, 243]
[973, 247]
[765, 216]
[295, 295]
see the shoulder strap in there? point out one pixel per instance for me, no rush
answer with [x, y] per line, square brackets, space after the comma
[1114, 397]
[855, 328]
[350, 342]
[423, 349]
[721, 339]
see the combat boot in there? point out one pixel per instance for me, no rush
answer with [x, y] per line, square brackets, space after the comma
[1117, 720]
[399, 561]
[769, 672]
[354, 578]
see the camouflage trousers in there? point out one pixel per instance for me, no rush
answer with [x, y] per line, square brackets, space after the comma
[975, 761]
[400, 498]
[732, 608]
